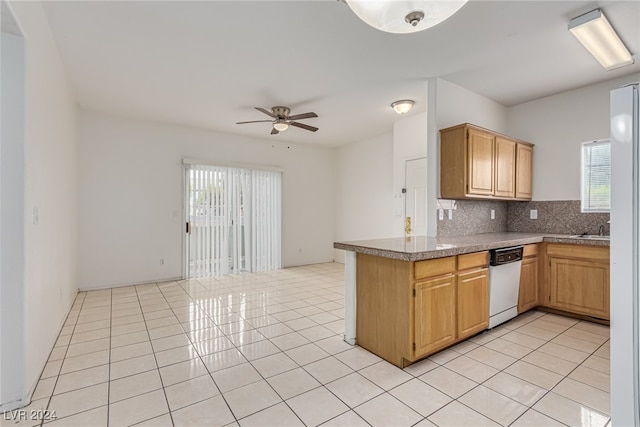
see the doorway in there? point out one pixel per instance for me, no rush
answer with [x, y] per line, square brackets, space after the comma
[415, 201]
[233, 220]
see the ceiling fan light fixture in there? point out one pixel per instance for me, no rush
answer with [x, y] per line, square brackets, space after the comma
[597, 35]
[403, 106]
[404, 16]
[280, 125]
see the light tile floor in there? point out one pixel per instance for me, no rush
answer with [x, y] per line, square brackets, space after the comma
[266, 350]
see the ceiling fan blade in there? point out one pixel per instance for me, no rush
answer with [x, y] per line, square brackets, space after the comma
[303, 116]
[303, 126]
[267, 112]
[253, 121]
[274, 131]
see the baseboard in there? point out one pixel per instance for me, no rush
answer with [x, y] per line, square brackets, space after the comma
[16, 404]
[122, 285]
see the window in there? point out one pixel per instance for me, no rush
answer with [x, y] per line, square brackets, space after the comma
[234, 220]
[596, 176]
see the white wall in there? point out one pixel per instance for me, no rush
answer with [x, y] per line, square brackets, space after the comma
[557, 125]
[456, 105]
[50, 282]
[450, 105]
[363, 190]
[409, 142]
[131, 196]
[12, 340]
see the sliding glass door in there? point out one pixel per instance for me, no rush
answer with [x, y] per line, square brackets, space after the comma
[234, 220]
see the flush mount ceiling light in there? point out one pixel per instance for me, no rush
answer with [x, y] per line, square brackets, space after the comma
[280, 125]
[397, 16]
[403, 106]
[597, 35]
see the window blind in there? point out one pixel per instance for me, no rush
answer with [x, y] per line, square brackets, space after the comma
[235, 216]
[596, 176]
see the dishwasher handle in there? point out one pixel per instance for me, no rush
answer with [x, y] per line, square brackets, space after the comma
[505, 255]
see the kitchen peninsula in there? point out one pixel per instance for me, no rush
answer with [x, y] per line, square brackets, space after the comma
[407, 298]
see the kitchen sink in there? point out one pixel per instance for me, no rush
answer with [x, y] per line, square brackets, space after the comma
[590, 237]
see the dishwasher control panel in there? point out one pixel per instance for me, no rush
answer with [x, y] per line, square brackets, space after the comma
[505, 255]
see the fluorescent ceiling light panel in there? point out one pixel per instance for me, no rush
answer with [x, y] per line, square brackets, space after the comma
[596, 34]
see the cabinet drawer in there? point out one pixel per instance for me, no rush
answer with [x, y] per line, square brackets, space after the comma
[434, 267]
[530, 250]
[474, 260]
[592, 253]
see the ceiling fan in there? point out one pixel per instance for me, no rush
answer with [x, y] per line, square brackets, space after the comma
[282, 120]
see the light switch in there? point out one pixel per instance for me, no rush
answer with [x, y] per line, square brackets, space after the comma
[493, 214]
[533, 214]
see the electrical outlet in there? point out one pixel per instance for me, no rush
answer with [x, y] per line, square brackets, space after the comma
[493, 214]
[450, 214]
[533, 214]
[440, 214]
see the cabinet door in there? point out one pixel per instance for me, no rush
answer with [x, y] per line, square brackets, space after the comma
[473, 302]
[579, 286]
[528, 295]
[505, 183]
[434, 322]
[480, 161]
[524, 171]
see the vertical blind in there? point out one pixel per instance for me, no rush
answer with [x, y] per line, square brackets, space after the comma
[235, 220]
[596, 176]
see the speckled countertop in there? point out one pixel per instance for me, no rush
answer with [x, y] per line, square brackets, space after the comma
[419, 247]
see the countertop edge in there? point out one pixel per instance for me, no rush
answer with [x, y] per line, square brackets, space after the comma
[440, 253]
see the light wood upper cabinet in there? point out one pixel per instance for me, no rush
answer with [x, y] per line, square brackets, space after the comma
[528, 293]
[524, 171]
[479, 163]
[505, 167]
[480, 148]
[434, 322]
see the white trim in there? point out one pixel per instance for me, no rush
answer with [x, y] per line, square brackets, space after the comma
[350, 298]
[122, 285]
[594, 143]
[16, 404]
[189, 162]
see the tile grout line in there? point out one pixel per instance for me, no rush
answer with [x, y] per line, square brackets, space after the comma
[502, 370]
[228, 334]
[65, 353]
[259, 373]
[109, 369]
[156, 360]
[191, 343]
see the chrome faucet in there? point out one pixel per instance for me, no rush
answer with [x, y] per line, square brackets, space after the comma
[601, 230]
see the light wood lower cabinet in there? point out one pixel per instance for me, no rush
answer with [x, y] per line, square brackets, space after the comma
[435, 308]
[473, 302]
[408, 310]
[528, 294]
[578, 279]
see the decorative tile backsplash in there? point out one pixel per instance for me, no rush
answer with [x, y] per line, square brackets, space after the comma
[473, 217]
[554, 217]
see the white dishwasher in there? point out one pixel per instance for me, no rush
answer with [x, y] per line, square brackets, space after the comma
[504, 284]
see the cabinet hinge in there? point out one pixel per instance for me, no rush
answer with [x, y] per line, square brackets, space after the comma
[414, 346]
[414, 292]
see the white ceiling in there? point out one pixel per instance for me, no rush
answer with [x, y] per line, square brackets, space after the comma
[207, 63]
